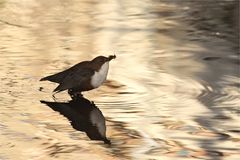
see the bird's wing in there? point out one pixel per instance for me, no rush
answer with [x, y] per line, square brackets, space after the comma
[74, 79]
[59, 77]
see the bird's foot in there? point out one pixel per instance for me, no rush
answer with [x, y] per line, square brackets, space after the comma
[53, 96]
[76, 96]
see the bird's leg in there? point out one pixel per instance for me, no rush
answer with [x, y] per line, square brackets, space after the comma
[71, 93]
[53, 95]
[79, 94]
[74, 94]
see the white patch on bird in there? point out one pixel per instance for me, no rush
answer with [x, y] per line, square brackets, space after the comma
[99, 77]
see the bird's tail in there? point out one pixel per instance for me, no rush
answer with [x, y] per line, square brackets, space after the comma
[45, 78]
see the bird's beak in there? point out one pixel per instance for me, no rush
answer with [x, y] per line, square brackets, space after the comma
[111, 57]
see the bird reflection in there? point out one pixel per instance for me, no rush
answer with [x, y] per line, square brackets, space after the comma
[84, 116]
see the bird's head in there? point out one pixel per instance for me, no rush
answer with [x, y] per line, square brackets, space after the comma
[100, 60]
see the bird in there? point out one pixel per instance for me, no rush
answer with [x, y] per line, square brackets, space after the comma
[84, 76]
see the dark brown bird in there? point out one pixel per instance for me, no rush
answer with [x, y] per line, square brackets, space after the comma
[84, 76]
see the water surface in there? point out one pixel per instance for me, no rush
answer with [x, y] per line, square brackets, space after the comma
[172, 92]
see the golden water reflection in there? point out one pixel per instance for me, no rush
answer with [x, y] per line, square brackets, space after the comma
[172, 92]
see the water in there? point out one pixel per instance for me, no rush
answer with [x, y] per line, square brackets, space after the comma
[172, 92]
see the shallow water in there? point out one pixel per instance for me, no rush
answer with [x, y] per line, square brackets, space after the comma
[172, 92]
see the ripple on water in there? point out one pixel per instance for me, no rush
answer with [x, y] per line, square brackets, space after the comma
[173, 91]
